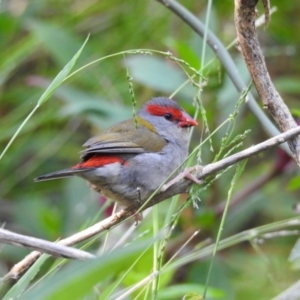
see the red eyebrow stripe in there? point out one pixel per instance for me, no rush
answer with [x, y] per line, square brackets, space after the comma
[97, 161]
[158, 110]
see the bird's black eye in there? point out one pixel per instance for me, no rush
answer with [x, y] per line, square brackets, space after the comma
[168, 116]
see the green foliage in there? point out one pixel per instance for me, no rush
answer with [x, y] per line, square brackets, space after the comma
[18, 289]
[39, 38]
[78, 278]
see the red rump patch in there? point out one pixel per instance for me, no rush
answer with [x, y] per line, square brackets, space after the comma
[158, 110]
[97, 161]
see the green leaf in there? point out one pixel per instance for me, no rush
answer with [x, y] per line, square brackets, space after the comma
[188, 291]
[58, 41]
[294, 183]
[158, 74]
[15, 55]
[295, 112]
[22, 284]
[91, 105]
[78, 278]
[192, 296]
[185, 52]
[45, 96]
[58, 80]
[287, 84]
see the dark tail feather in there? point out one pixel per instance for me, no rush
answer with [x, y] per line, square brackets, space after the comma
[57, 174]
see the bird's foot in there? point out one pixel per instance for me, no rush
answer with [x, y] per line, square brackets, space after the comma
[185, 174]
[138, 217]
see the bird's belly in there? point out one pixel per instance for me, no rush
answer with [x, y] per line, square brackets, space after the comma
[134, 181]
[113, 183]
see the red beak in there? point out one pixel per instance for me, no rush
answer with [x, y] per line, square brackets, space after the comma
[186, 121]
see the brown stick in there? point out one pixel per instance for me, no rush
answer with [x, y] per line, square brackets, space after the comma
[179, 187]
[245, 15]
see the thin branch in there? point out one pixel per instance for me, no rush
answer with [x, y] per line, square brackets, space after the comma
[178, 188]
[219, 49]
[245, 14]
[54, 249]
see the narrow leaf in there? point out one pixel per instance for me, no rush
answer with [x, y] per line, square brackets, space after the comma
[45, 96]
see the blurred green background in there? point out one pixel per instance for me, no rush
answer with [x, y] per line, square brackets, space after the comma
[37, 38]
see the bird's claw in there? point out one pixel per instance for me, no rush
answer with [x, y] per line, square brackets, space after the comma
[185, 174]
[138, 217]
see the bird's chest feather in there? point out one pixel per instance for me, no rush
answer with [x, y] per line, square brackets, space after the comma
[152, 169]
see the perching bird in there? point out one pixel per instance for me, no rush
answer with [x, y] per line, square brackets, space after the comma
[127, 163]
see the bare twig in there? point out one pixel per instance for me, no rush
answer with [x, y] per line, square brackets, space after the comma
[245, 15]
[54, 249]
[179, 187]
[219, 49]
[266, 4]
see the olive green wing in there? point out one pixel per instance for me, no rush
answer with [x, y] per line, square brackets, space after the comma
[125, 138]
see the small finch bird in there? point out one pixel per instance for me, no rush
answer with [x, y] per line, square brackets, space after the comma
[127, 163]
